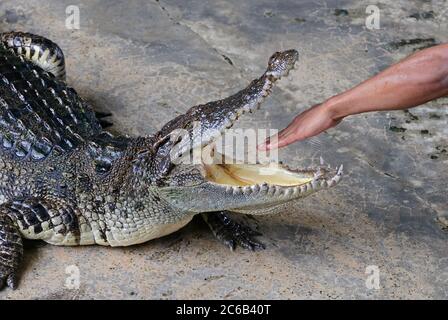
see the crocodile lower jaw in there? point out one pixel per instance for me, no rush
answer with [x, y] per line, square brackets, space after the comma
[271, 179]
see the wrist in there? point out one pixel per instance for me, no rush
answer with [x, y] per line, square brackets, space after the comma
[334, 108]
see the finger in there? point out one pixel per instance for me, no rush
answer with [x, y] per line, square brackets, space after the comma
[273, 140]
[265, 145]
[282, 141]
[269, 142]
[277, 140]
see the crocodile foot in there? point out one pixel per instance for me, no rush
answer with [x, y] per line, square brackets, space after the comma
[103, 123]
[232, 233]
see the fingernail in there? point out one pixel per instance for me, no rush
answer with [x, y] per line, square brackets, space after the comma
[262, 146]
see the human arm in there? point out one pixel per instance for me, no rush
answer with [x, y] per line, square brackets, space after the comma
[415, 80]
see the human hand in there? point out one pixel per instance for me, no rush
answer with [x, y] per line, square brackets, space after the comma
[307, 124]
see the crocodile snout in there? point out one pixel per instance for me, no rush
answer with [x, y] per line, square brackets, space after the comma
[282, 62]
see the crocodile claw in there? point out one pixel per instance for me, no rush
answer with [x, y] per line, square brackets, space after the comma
[232, 233]
[105, 124]
[100, 116]
[8, 278]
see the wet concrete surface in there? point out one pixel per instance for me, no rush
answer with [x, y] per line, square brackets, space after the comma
[146, 61]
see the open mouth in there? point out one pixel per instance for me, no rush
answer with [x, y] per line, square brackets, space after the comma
[225, 185]
[272, 177]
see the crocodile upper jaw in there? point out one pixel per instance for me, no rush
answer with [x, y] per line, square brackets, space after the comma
[229, 186]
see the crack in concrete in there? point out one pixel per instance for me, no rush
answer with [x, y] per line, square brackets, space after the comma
[221, 54]
[241, 74]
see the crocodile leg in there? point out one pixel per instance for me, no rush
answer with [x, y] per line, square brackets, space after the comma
[11, 249]
[232, 233]
[38, 50]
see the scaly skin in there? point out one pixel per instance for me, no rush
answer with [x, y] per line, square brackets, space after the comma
[65, 180]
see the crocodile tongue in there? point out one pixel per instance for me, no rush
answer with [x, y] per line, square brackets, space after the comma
[246, 175]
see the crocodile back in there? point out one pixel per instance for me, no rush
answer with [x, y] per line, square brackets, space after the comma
[39, 115]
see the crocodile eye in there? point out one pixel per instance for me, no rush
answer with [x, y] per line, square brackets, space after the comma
[177, 140]
[102, 167]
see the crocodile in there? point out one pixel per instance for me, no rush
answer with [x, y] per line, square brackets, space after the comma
[66, 180]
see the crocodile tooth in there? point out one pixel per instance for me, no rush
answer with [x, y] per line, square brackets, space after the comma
[331, 182]
[338, 175]
[314, 184]
[322, 162]
[247, 190]
[288, 192]
[303, 188]
[229, 189]
[340, 170]
[237, 191]
[324, 184]
[296, 191]
[279, 192]
[336, 178]
[264, 187]
[255, 188]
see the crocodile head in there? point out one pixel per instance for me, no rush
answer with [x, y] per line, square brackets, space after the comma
[202, 186]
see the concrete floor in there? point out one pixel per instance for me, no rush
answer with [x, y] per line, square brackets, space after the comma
[147, 60]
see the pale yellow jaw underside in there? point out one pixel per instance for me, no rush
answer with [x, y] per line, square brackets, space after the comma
[246, 175]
